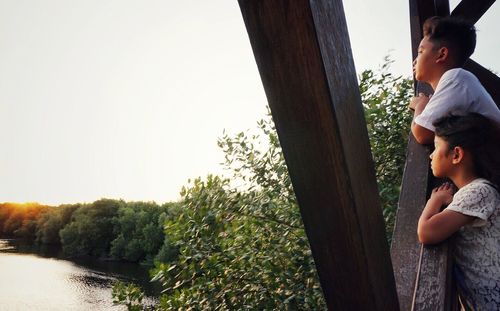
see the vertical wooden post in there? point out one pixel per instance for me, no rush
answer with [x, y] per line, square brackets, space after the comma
[304, 58]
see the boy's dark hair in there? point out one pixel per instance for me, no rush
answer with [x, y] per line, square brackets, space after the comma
[477, 135]
[458, 35]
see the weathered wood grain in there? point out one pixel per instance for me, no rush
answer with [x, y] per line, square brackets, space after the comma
[405, 248]
[433, 286]
[304, 58]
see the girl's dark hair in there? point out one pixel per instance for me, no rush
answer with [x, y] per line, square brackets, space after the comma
[457, 34]
[479, 136]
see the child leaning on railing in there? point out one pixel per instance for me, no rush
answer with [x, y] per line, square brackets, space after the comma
[467, 151]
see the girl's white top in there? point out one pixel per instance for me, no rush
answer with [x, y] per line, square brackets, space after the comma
[477, 245]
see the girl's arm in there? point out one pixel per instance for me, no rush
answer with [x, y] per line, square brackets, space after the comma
[435, 226]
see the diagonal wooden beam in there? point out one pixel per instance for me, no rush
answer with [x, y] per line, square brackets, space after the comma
[489, 80]
[472, 10]
[304, 58]
[442, 7]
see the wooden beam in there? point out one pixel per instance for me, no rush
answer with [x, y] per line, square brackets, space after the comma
[434, 283]
[415, 267]
[472, 10]
[442, 7]
[405, 248]
[489, 80]
[304, 58]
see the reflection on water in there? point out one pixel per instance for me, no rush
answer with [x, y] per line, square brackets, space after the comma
[32, 282]
[5, 246]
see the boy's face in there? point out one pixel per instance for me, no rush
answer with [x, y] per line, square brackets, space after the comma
[424, 65]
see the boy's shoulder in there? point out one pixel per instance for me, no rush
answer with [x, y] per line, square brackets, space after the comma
[464, 81]
[460, 75]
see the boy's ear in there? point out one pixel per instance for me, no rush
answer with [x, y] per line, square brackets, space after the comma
[458, 155]
[443, 54]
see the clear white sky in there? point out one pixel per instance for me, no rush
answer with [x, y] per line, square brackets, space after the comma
[126, 99]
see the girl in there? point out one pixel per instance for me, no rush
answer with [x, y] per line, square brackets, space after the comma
[467, 151]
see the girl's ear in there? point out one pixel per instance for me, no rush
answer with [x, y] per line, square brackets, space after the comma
[458, 155]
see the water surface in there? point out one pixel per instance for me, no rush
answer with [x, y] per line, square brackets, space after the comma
[42, 281]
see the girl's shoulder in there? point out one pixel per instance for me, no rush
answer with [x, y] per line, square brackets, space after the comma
[480, 191]
[480, 186]
[479, 199]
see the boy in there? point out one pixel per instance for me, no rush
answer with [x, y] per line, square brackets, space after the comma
[448, 42]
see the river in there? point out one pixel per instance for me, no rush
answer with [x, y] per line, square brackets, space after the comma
[40, 279]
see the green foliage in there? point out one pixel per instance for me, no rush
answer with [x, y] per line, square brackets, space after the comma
[241, 247]
[139, 230]
[90, 231]
[131, 231]
[50, 223]
[20, 220]
[385, 99]
[129, 295]
[168, 252]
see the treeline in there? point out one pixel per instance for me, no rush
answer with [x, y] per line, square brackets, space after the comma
[20, 220]
[112, 229]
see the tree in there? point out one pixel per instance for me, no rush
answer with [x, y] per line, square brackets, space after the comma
[90, 231]
[385, 99]
[241, 247]
[139, 230]
[20, 220]
[50, 223]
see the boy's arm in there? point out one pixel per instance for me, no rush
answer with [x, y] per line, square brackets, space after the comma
[435, 226]
[422, 135]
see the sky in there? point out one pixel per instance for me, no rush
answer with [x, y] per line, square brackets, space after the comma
[126, 99]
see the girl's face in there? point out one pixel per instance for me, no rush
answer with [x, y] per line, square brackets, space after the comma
[441, 158]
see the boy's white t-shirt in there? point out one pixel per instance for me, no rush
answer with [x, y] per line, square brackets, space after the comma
[477, 245]
[458, 92]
